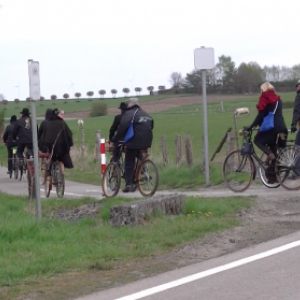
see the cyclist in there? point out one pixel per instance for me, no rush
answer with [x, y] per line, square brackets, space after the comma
[9, 142]
[57, 134]
[22, 130]
[48, 116]
[113, 130]
[143, 125]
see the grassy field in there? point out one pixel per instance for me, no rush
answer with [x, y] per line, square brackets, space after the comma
[32, 250]
[184, 121]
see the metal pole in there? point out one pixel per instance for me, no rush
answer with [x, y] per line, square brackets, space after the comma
[36, 159]
[205, 126]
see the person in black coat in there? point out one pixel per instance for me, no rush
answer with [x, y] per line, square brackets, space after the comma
[9, 142]
[143, 125]
[113, 130]
[43, 124]
[22, 130]
[57, 133]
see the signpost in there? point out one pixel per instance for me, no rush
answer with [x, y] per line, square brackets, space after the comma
[34, 89]
[204, 59]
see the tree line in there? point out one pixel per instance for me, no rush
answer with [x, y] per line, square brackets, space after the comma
[226, 78]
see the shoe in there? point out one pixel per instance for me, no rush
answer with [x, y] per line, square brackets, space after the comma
[128, 189]
[270, 158]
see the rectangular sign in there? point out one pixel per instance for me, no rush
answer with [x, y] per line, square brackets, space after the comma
[204, 58]
[34, 80]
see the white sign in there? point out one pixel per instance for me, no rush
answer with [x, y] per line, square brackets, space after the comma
[34, 79]
[204, 58]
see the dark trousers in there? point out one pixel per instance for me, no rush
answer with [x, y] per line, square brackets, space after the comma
[130, 156]
[10, 155]
[297, 142]
[116, 153]
[21, 148]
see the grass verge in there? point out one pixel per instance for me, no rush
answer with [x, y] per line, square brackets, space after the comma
[32, 251]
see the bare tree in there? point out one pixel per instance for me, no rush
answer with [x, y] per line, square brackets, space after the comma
[90, 94]
[161, 88]
[66, 96]
[77, 95]
[114, 92]
[138, 90]
[17, 101]
[28, 99]
[150, 89]
[42, 98]
[53, 97]
[176, 81]
[102, 93]
[4, 102]
[126, 91]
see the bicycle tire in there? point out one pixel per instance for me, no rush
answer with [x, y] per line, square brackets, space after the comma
[147, 178]
[238, 171]
[21, 168]
[60, 180]
[47, 183]
[285, 168]
[263, 176]
[111, 180]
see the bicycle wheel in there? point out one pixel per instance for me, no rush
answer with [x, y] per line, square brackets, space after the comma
[111, 180]
[286, 168]
[238, 171]
[147, 178]
[268, 176]
[15, 168]
[47, 182]
[59, 180]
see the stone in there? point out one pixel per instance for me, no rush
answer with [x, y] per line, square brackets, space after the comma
[134, 213]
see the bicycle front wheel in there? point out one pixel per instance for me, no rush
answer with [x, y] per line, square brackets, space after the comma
[287, 168]
[60, 181]
[47, 182]
[111, 180]
[147, 178]
[238, 171]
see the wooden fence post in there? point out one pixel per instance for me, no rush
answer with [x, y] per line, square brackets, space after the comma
[189, 151]
[178, 145]
[97, 146]
[82, 145]
[164, 150]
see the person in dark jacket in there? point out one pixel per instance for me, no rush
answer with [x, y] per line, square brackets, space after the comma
[22, 130]
[48, 115]
[296, 121]
[143, 125]
[9, 142]
[57, 133]
[113, 130]
[269, 101]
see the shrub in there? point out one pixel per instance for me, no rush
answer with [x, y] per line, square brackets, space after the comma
[98, 109]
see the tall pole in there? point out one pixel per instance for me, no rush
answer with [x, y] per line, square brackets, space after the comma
[36, 160]
[205, 131]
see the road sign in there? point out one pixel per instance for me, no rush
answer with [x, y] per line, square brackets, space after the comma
[204, 58]
[34, 79]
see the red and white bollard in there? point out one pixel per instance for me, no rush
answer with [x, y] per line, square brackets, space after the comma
[103, 157]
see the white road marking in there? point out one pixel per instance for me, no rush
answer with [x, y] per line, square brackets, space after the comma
[194, 277]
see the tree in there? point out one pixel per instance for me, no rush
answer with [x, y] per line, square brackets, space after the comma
[193, 81]
[176, 81]
[126, 91]
[150, 89]
[90, 94]
[226, 73]
[77, 95]
[4, 102]
[114, 92]
[17, 101]
[138, 90]
[66, 96]
[102, 93]
[28, 99]
[53, 97]
[161, 88]
[42, 98]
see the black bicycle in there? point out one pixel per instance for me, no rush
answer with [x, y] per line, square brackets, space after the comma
[145, 174]
[239, 168]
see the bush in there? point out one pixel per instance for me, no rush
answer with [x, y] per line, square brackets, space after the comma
[98, 109]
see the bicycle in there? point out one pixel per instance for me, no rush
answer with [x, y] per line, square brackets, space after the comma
[145, 174]
[53, 174]
[239, 169]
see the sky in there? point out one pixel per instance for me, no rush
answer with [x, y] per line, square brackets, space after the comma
[88, 45]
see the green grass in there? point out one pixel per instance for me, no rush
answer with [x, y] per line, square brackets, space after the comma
[31, 248]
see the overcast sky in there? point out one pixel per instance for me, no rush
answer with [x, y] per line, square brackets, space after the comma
[106, 44]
